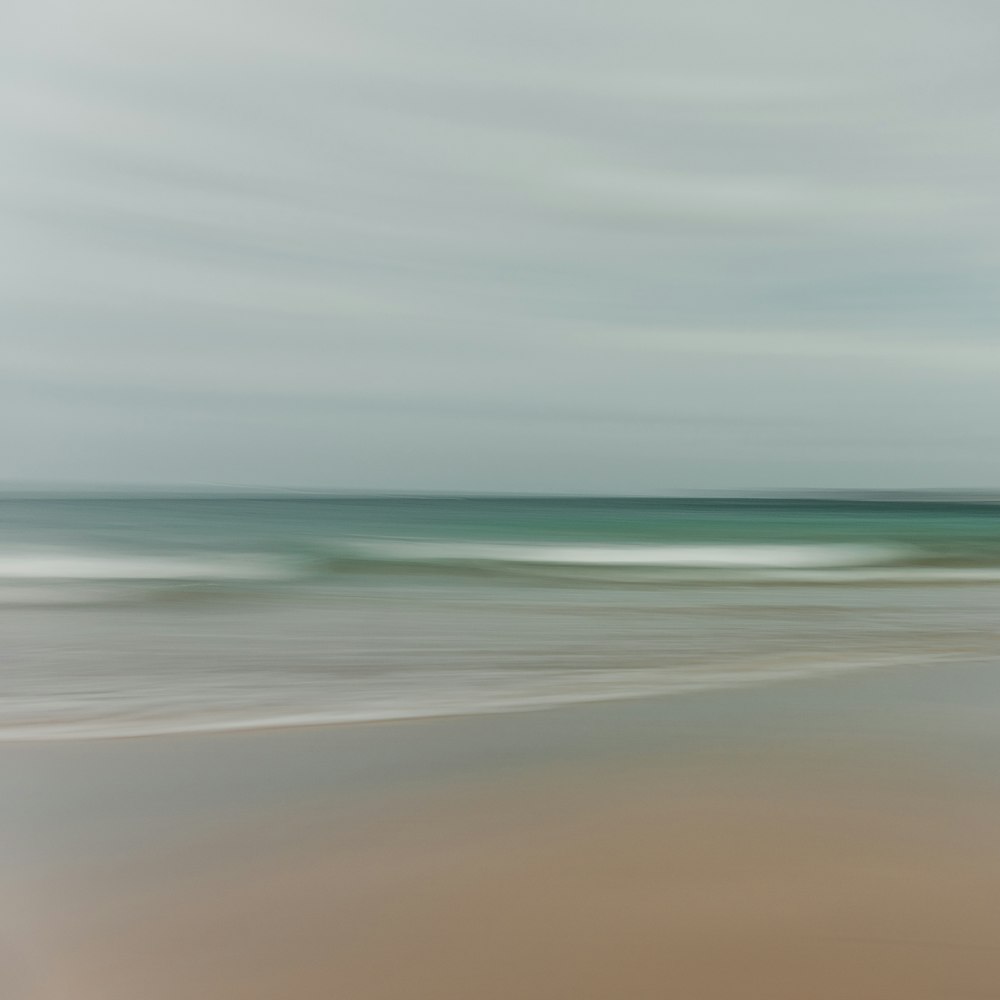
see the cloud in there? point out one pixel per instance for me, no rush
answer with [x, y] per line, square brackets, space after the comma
[637, 216]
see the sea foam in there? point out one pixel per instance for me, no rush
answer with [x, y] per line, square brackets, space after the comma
[56, 565]
[709, 556]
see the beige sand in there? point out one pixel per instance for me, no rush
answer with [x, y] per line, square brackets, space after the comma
[647, 889]
[788, 874]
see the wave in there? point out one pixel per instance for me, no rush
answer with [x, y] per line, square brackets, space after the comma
[704, 564]
[882, 575]
[69, 566]
[477, 693]
[54, 577]
[707, 556]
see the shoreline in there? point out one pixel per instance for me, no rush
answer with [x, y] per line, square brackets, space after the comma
[828, 838]
[818, 673]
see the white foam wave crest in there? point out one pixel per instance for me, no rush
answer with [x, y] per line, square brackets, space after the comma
[887, 575]
[731, 557]
[890, 575]
[45, 566]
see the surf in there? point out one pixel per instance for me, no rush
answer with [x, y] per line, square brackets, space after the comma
[704, 556]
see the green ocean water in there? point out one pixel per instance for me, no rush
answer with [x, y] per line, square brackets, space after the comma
[128, 615]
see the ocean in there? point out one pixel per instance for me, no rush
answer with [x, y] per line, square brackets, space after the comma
[130, 616]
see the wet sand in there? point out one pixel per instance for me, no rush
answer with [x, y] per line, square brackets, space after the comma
[830, 838]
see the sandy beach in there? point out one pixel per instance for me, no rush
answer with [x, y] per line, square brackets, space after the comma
[826, 838]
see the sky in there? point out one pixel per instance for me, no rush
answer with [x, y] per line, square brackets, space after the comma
[617, 247]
